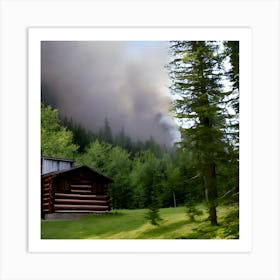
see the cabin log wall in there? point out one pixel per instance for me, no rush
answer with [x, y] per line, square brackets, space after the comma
[78, 191]
[47, 196]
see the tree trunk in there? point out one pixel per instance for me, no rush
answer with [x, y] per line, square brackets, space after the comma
[211, 191]
[213, 215]
[174, 200]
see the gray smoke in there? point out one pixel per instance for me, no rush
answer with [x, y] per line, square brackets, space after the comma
[124, 82]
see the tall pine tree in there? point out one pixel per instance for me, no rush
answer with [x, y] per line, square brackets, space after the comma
[196, 73]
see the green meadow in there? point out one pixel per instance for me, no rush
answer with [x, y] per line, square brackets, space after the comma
[132, 224]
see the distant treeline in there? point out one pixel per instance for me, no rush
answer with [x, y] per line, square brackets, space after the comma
[83, 137]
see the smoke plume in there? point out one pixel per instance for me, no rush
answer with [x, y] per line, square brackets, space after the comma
[125, 82]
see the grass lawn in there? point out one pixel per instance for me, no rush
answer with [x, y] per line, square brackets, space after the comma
[132, 224]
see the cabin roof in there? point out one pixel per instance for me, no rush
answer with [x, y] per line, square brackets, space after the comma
[57, 159]
[108, 179]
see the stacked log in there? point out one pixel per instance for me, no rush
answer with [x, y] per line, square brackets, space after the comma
[46, 196]
[81, 199]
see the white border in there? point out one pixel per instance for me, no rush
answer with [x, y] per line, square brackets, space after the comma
[36, 35]
[262, 16]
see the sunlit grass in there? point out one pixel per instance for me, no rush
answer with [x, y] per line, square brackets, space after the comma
[132, 224]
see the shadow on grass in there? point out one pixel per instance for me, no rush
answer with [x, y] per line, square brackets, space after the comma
[228, 228]
[202, 232]
[161, 229]
[115, 213]
[231, 222]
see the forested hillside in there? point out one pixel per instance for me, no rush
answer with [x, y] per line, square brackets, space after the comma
[138, 169]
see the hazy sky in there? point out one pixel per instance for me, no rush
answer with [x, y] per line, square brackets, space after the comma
[124, 81]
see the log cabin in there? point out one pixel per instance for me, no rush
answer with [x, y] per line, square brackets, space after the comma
[66, 188]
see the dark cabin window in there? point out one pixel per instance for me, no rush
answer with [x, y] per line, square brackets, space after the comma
[63, 185]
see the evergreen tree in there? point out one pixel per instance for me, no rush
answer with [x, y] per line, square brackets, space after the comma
[120, 138]
[96, 155]
[81, 136]
[196, 74]
[229, 170]
[173, 181]
[124, 141]
[105, 133]
[146, 178]
[232, 51]
[153, 146]
[118, 167]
